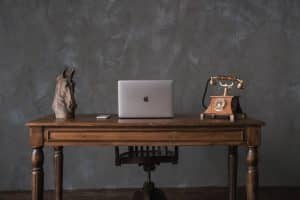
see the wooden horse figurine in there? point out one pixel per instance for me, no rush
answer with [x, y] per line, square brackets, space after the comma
[64, 103]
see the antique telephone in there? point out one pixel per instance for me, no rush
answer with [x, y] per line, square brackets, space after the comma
[225, 106]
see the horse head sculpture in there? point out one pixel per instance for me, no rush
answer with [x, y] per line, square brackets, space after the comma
[64, 103]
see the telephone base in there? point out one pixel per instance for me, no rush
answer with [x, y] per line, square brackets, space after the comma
[224, 107]
[231, 118]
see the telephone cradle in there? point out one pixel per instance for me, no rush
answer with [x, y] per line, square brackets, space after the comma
[224, 106]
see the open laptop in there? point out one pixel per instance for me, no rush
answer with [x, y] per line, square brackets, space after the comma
[145, 98]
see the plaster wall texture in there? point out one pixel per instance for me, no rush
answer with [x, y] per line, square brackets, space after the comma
[183, 40]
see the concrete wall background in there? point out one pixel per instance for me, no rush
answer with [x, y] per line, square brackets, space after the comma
[183, 40]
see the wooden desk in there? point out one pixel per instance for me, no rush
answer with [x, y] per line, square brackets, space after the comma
[85, 130]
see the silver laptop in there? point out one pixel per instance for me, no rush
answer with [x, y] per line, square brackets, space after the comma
[145, 98]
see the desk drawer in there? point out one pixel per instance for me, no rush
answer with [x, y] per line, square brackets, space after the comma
[138, 137]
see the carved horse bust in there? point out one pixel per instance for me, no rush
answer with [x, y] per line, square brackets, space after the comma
[64, 103]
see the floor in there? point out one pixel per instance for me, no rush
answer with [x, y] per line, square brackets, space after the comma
[210, 193]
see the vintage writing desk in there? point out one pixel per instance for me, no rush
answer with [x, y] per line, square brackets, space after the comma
[85, 130]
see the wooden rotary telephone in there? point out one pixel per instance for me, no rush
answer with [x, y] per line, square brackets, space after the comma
[225, 106]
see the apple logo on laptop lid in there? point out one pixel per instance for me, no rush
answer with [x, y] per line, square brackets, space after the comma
[146, 99]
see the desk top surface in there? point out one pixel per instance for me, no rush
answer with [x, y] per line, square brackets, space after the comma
[89, 120]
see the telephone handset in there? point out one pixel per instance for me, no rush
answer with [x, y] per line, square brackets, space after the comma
[224, 106]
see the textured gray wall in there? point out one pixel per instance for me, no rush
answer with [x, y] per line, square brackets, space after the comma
[183, 40]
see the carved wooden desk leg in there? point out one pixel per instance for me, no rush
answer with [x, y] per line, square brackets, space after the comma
[58, 170]
[252, 173]
[232, 171]
[37, 160]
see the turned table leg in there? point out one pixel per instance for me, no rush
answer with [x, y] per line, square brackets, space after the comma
[252, 173]
[37, 160]
[58, 172]
[232, 171]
